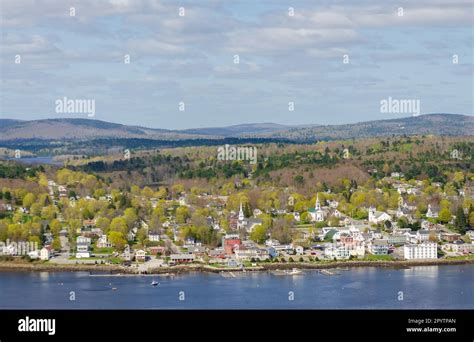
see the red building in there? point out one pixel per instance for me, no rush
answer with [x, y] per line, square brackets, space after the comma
[230, 245]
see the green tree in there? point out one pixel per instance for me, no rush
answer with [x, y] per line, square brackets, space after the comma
[461, 221]
[117, 239]
[119, 224]
[444, 215]
[56, 244]
[182, 214]
[28, 200]
[259, 234]
[130, 216]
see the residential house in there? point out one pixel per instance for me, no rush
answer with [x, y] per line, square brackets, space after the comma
[378, 247]
[217, 253]
[396, 239]
[83, 240]
[88, 224]
[338, 252]
[154, 250]
[464, 248]
[377, 217]
[153, 236]
[102, 242]
[299, 250]
[432, 211]
[422, 235]
[197, 250]
[45, 254]
[251, 254]
[140, 255]
[271, 242]
[450, 237]
[182, 258]
[82, 250]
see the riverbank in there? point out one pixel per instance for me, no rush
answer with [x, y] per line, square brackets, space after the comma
[10, 266]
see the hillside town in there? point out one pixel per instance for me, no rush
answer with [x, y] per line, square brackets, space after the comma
[76, 221]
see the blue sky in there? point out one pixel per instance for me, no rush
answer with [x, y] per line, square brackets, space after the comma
[190, 58]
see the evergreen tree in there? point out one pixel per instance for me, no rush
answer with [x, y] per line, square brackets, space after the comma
[461, 221]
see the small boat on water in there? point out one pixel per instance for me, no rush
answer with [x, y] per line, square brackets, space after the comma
[154, 283]
[114, 288]
[294, 271]
[327, 272]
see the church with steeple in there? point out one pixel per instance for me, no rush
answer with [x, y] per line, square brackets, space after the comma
[317, 213]
[241, 223]
[246, 223]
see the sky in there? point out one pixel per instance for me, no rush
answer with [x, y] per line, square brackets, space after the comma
[299, 62]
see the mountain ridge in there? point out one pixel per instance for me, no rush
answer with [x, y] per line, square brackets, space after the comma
[83, 129]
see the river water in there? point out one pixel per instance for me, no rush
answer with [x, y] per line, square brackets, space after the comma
[423, 287]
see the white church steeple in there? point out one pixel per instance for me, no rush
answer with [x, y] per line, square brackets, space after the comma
[241, 213]
[318, 204]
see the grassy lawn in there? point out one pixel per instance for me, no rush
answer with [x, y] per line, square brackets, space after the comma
[105, 250]
[461, 257]
[371, 257]
[115, 260]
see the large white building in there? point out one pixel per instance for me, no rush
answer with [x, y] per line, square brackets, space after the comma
[426, 250]
[337, 251]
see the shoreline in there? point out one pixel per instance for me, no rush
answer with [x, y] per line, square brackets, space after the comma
[115, 269]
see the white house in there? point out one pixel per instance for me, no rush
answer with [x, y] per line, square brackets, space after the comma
[140, 255]
[82, 250]
[377, 217]
[426, 250]
[339, 252]
[432, 212]
[83, 240]
[299, 250]
[378, 247]
[357, 249]
[152, 236]
[44, 254]
[272, 242]
[422, 235]
[102, 242]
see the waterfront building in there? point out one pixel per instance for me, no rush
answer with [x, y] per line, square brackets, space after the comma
[426, 250]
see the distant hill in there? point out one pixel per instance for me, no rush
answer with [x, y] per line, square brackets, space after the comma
[237, 130]
[88, 129]
[79, 129]
[436, 124]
